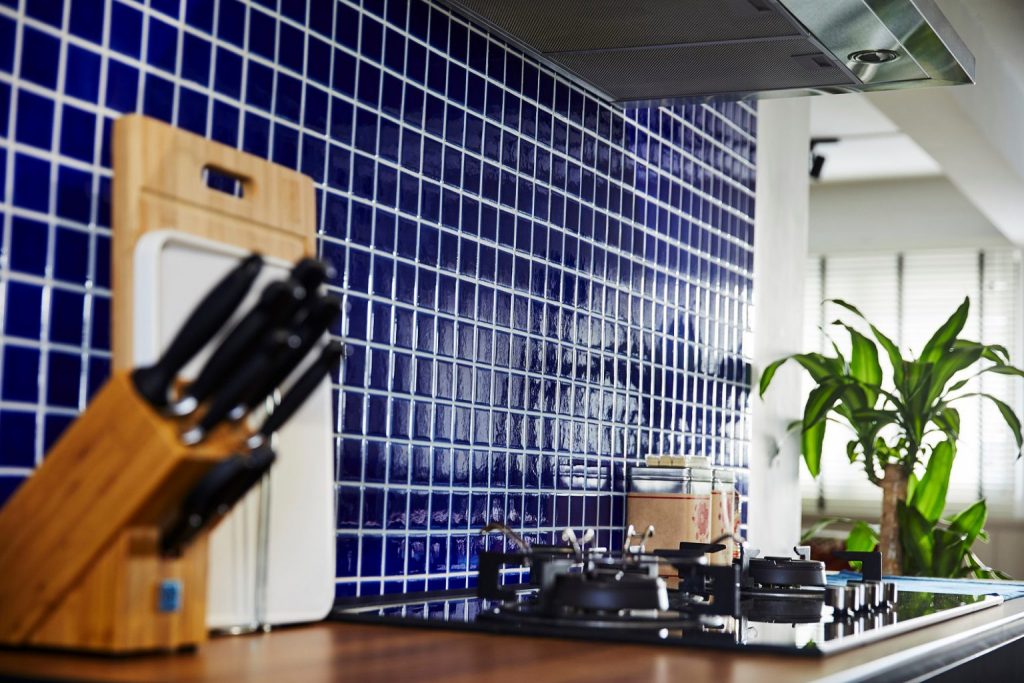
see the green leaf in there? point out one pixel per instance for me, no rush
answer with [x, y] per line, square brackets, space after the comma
[970, 521]
[911, 485]
[851, 450]
[810, 445]
[893, 351]
[948, 420]
[821, 400]
[916, 539]
[945, 367]
[769, 374]
[942, 341]
[821, 525]
[1010, 417]
[993, 352]
[819, 367]
[930, 493]
[864, 363]
[948, 553]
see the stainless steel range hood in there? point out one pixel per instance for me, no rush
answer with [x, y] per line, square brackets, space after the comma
[665, 51]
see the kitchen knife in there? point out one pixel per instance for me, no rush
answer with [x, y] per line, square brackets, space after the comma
[278, 303]
[303, 387]
[154, 382]
[221, 487]
[250, 374]
[322, 313]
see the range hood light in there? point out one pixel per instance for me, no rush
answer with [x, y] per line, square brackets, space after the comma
[874, 56]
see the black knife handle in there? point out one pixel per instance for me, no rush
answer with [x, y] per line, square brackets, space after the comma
[214, 495]
[311, 273]
[278, 302]
[236, 387]
[328, 361]
[154, 382]
[322, 313]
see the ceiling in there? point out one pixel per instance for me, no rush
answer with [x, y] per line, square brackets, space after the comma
[870, 146]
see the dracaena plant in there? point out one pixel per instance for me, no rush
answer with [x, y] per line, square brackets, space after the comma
[900, 428]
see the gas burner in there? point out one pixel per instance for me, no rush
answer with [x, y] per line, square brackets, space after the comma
[785, 572]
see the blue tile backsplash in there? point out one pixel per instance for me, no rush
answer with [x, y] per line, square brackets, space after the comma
[543, 287]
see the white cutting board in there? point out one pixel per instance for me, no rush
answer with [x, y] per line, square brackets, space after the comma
[173, 271]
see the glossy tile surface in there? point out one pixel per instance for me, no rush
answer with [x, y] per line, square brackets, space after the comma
[543, 288]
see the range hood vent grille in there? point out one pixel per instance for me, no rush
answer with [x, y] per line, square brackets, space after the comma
[663, 51]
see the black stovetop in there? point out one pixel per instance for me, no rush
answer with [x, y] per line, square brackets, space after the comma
[762, 625]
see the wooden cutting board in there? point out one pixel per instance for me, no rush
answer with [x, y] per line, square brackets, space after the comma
[161, 182]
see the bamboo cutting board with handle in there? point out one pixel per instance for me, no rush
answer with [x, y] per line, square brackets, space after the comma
[174, 236]
[161, 182]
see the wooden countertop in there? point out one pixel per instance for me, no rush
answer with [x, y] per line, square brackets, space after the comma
[341, 652]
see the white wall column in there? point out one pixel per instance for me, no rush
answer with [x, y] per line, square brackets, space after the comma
[780, 250]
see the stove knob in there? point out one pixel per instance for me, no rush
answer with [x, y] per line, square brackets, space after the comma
[835, 597]
[856, 597]
[891, 593]
[874, 596]
[844, 600]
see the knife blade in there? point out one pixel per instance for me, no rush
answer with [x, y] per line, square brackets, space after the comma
[214, 495]
[299, 392]
[323, 311]
[250, 374]
[154, 382]
[278, 303]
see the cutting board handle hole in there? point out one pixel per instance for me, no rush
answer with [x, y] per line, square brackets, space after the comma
[224, 181]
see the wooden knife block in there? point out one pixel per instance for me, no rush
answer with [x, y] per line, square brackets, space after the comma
[80, 566]
[80, 556]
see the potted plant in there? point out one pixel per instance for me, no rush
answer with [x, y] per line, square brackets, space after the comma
[905, 431]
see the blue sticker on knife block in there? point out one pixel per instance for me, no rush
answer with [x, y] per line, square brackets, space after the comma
[169, 595]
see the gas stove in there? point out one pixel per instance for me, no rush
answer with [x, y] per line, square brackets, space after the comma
[671, 597]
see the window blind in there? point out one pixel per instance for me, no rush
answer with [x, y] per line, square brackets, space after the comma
[907, 296]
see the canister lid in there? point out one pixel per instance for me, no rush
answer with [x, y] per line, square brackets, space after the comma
[672, 473]
[727, 476]
[698, 461]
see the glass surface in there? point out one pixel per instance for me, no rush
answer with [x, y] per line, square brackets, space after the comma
[756, 630]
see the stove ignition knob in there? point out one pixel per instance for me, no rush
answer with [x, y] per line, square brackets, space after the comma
[891, 593]
[844, 600]
[874, 596]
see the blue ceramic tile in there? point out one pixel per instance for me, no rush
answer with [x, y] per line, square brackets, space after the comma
[35, 119]
[162, 45]
[83, 74]
[78, 130]
[40, 52]
[66, 317]
[125, 29]
[21, 374]
[122, 86]
[17, 432]
[21, 317]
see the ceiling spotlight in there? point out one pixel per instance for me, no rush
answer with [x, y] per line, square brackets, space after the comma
[880, 56]
[817, 161]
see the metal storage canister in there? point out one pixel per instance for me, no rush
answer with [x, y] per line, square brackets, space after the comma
[676, 500]
[723, 514]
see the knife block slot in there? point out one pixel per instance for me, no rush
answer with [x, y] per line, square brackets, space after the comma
[80, 556]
